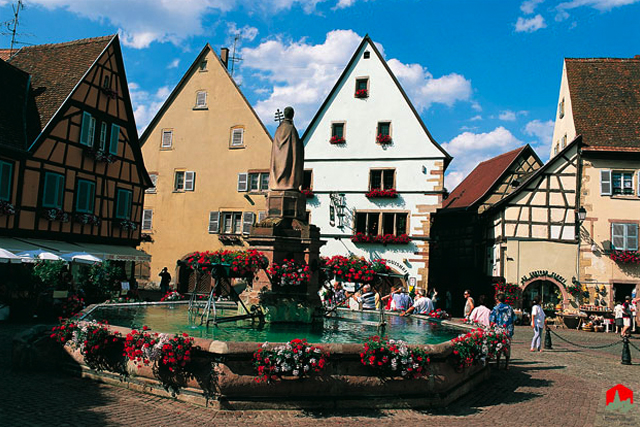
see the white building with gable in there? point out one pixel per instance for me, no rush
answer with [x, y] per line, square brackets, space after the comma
[365, 141]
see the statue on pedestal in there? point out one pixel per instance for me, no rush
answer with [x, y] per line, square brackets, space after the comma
[287, 156]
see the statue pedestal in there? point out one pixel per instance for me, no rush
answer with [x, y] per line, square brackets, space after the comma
[279, 239]
[286, 204]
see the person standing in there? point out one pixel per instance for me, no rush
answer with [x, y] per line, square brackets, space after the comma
[481, 313]
[469, 304]
[618, 312]
[626, 316]
[368, 298]
[538, 321]
[165, 280]
[503, 317]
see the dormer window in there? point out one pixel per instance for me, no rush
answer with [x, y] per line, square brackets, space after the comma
[362, 87]
[367, 54]
[203, 65]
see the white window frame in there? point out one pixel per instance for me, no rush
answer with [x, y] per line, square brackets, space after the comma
[201, 95]
[243, 182]
[622, 174]
[606, 184]
[167, 135]
[262, 181]
[234, 132]
[214, 222]
[189, 181]
[147, 219]
[628, 232]
[230, 222]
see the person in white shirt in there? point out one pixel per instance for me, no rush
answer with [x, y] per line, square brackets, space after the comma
[618, 312]
[537, 323]
[422, 304]
[480, 314]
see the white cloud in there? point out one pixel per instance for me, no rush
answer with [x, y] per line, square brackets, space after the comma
[246, 33]
[543, 131]
[146, 104]
[453, 178]
[476, 118]
[297, 70]
[530, 25]
[602, 5]
[507, 116]
[174, 63]
[529, 6]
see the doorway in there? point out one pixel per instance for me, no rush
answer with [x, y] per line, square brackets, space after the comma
[548, 292]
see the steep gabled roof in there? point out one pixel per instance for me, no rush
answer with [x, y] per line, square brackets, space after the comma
[183, 81]
[56, 69]
[482, 179]
[6, 53]
[343, 76]
[605, 98]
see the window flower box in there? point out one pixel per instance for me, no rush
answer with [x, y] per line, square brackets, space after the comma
[241, 263]
[55, 214]
[101, 156]
[86, 218]
[625, 257]
[290, 273]
[352, 269]
[383, 139]
[308, 193]
[113, 94]
[362, 93]
[384, 239]
[7, 208]
[337, 140]
[391, 193]
[126, 224]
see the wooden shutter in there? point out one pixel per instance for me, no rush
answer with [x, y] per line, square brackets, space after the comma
[617, 236]
[189, 180]
[115, 137]
[53, 193]
[147, 219]
[632, 237]
[82, 197]
[6, 174]
[242, 182]
[167, 138]
[85, 128]
[247, 222]
[201, 99]
[123, 204]
[237, 139]
[605, 182]
[60, 190]
[214, 222]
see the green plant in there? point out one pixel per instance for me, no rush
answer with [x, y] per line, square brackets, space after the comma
[391, 358]
[101, 279]
[50, 273]
[296, 358]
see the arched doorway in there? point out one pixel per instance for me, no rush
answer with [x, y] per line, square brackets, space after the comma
[550, 292]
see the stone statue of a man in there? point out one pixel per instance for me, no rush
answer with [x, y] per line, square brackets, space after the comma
[287, 156]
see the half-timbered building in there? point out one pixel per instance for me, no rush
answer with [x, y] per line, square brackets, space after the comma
[72, 177]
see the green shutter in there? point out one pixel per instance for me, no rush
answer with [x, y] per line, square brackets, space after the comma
[123, 204]
[53, 192]
[85, 195]
[6, 170]
[85, 129]
[115, 136]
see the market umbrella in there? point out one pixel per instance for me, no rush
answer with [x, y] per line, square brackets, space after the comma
[38, 254]
[81, 258]
[6, 256]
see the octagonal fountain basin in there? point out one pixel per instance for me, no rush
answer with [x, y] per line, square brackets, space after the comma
[223, 375]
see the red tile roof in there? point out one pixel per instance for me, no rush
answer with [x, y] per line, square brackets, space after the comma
[605, 98]
[480, 180]
[56, 69]
[6, 53]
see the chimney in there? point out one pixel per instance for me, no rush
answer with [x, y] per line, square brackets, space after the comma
[224, 57]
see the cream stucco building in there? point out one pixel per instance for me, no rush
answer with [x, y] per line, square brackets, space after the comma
[208, 154]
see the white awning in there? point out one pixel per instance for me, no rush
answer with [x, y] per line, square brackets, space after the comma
[115, 252]
[8, 257]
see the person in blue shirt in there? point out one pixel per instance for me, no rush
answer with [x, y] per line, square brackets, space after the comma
[503, 316]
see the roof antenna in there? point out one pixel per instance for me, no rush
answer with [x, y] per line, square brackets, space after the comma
[234, 58]
[12, 25]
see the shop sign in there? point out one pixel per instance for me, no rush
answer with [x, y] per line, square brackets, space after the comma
[540, 274]
[398, 265]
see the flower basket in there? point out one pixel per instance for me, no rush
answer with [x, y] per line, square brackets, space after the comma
[126, 224]
[290, 273]
[575, 290]
[172, 296]
[384, 239]
[362, 93]
[337, 140]
[479, 345]
[379, 193]
[7, 208]
[383, 139]
[352, 269]
[511, 292]
[625, 257]
[241, 263]
[55, 214]
[440, 314]
[296, 358]
[85, 218]
[391, 358]
[101, 156]
[308, 193]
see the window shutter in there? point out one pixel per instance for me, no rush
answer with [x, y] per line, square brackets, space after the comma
[264, 182]
[261, 216]
[605, 182]
[201, 99]
[123, 204]
[120, 204]
[84, 128]
[247, 222]
[49, 191]
[237, 137]
[632, 237]
[60, 187]
[189, 180]
[5, 180]
[214, 222]
[242, 182]
[638, 186]
[147, 219]
[167, 138]
[82, 196]
[115, 137]
[617, 236]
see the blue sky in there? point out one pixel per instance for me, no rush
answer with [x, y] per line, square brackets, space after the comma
[484, 74]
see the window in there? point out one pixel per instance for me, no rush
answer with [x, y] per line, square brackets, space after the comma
[231, 222]
[85, 196]
[154, 182]
[6, 175]
[115, 139]
[214, 222]
[103, 136]
[382, 179]
[564, 141]
[106, 83]
[384, 128]
[87, 129]
[306, 179]
[259, 181]
[362, 87]
[237, 137]
[242, 182]
[167, 138]
[561, 109]
[337, 130]
[53, 191]
[555, 149]
[247, 222]
[377, 223]
[203, 65]
[367, 54]
[147, 219]
[624, 237]
[123, 203]
[201, 99]
[622, 182]
[185, 181]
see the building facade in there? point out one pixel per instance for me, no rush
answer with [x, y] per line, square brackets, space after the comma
[72, 177]
[375, 171]
[208, 155]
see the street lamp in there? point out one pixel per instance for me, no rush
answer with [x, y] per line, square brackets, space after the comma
[582, 214]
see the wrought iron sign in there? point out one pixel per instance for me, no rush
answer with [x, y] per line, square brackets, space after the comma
[336, 208]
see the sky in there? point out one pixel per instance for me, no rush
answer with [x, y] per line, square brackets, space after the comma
[483, 74]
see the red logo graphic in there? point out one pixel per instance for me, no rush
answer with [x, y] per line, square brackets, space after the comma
[619, 398]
